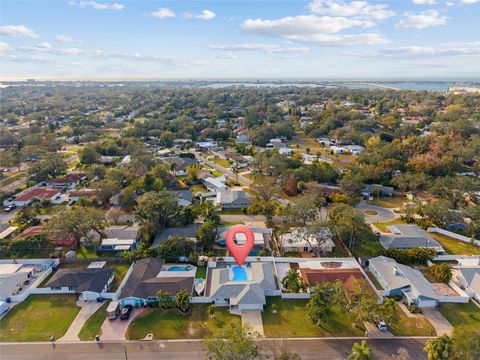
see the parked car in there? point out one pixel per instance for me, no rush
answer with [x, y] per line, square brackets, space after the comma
[126, 311]
[382, 326]
[9, 208]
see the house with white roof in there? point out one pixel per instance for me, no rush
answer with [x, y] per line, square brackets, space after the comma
[405, 236]
[232, 199]
[119, 238]
[467, 276]
[215, 184]
[297, 241]
[262, 238]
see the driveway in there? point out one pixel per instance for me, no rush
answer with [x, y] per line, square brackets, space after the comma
[441, 325]
[87, 310]
[383, 214]
[253, 320]
[375, 333]
[116, 329]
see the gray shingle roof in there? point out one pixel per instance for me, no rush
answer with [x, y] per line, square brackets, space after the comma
[472, 277]
[93, 279]
[407, 237]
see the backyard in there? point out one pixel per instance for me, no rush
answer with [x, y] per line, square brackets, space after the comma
[171, 324]
[461, 314]
[453, 246]
[39, 317]
[120, 271]
[94, 323]
[368, 248]
[291, 320]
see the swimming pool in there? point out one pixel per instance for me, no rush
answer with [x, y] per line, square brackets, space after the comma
[180, 268]
[239, 273]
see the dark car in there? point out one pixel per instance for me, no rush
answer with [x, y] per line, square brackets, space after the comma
[126, 311]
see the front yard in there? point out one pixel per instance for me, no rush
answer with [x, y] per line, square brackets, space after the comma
[171, 324]
[94, 323]
[461, 314]
[291, 320]
[410, 326]
[383, 226]
[39, 317]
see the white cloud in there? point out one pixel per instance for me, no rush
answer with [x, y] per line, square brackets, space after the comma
[204, 15]
[449, 3]
[4, 47]
[422, 20]
[46, 47]
[267, 48]
[424, 2]
[163, 13]
[64, 38]
[18, 30]
[468, 2]
[314, 29]
[360, 9]
[98, 6]
[226, 55]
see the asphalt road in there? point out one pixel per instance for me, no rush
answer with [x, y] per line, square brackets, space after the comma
[383, 214]
[319, 348]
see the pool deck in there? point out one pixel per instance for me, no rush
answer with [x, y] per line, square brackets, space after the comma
[174, 273]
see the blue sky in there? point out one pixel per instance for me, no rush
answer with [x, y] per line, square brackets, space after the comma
[317, 39]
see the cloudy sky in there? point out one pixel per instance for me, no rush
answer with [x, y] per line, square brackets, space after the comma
[317, 39]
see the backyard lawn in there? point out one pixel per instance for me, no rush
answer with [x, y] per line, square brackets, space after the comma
[94, 323]
[86, 253]
[368, 248]
[291, 320]
[39, 317]
[216, 173]
[221, 161]
[453, 246]
[410, 326]
[171, 324]
[201, 272]
[461, 314]
[232, 212]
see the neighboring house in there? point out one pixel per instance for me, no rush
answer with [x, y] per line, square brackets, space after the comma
[81, 194]
[314, 277]
[215, 184]
[89, 283]
[296, 240]
[118, 238]
[408, 237]
[262, 237]
[8, 233]
[377, 190]
[240, 287]
[467, 276]
[242, 138]
[13, 278]
[179, 164]
[52, 195]
[115, 244]
[148, 277]
[38, 230]
[355, 149]
[184, 197]
[402, 280]
[232, 199]
[188, 231]
[70, 180]
[106, 159]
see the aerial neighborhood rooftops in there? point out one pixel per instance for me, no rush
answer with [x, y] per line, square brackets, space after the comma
[408, 237]
[232, 199]
[27, 197]
[68, 180]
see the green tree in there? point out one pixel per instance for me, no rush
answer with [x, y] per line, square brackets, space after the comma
[175, 247]
[53, 165]
[303, 209]
[440, 348]
[232, 343]
[182, 300]
[154, 209]
[209, 213]
[467, 342]
[25, 217]
[206, 234]
[75, 223]
[89, 155]
[211, 310]
[319, 305]
[164, 298]
[360, 351]
[441, 272]
[292, 282]
[193, 172]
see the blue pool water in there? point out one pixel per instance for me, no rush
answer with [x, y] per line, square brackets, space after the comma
[239, 273]
[180, 268]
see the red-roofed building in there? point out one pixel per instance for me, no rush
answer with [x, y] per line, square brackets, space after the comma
[40, 194]
[69, 180]
[38, 230]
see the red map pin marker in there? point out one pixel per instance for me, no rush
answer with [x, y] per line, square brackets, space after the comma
[240, 252]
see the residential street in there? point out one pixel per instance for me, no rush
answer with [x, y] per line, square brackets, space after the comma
[318, 348]
[383, 214]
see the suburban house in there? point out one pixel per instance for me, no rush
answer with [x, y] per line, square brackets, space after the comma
[8, 232]
[372, 190]
[184, 197]
[52, 195]
[262, 237]
[215, 184]
[402, 280]
[70, 180]
[240, 287]
[298, 241]
[119, 238]
[38, 230]
[242, 138]
[81, 193]
[405, 236]
[151, 275]
[89, 283]
[189, 231]
[232, 199]
[467, 276]
[314, 276]
[179, 164]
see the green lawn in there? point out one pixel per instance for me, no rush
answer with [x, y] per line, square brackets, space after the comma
[453, 246]
[216, 173]
[39, 317]
[410, 326]
[198, 188]
[232, 212]
[389, 202]
[221, 161]
[383, 226]
[120, 271]
[86, 253]
[461, 314]
[94, 323]
[368, 248]
[171, 324]
[201, 272]
[291, 320]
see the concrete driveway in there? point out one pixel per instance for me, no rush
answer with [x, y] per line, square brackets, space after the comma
[116, 329]
[87, 310]
[383, 214]
[253, 320]
[441, 325]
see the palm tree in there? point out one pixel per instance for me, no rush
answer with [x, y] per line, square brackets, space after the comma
[173, 167]
[164, 298]
[211, 311]
[182, 300]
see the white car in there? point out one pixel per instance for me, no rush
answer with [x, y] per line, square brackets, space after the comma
[382, 326]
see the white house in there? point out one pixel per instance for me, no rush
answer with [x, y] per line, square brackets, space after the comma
[467, 276]
[215, 184]
[296, 240]
[232, 199]
[52, 195]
